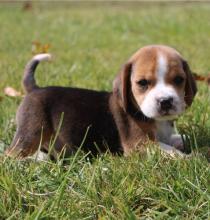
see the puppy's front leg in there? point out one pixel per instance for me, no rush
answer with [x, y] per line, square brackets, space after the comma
[170, 150]
[177, 142]
[169, 141]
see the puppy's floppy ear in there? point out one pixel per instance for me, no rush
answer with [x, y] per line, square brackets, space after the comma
[121, 85]
[190, 86]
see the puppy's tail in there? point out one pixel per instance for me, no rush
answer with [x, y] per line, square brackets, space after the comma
[29, 82]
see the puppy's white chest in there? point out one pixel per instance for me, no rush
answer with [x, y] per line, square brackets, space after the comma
[164, 131]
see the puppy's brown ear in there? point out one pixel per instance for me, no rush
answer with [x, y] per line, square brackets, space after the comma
[190, 86]
[121, 85]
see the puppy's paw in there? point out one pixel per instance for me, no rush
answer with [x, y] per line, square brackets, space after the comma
[172, 151]
[17, 152]
[177, 142]
[12, 152]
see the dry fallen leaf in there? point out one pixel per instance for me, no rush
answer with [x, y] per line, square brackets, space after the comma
[199, 77]
[38, 47]
[27, 6]
[9, 91]
[202, 78]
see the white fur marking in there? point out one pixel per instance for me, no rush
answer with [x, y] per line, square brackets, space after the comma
[162, 68]
[164, 131]
[42, 57]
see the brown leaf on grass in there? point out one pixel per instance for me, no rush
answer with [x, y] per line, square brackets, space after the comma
[38, 47]
[9, 91]
[199, 77]
[206, 79]
[27, 6]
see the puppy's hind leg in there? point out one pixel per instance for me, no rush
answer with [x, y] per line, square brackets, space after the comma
[24, 144]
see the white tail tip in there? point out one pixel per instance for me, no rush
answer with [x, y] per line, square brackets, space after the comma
[42, 57]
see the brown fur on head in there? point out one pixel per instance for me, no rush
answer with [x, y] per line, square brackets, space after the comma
[165, 75]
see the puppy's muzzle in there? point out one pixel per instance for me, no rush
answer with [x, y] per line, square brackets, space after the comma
[165, 104]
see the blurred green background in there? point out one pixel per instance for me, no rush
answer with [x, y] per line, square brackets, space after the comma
[90, 41]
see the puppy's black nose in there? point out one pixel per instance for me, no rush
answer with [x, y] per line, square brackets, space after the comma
[165, 103]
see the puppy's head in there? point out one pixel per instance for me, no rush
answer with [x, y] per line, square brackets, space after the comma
[157, 81]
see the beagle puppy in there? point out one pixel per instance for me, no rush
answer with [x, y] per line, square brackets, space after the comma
[152, 89]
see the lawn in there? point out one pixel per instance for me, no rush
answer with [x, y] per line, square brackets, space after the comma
[89, 45]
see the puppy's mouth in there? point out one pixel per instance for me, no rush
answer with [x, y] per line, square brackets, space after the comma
[171, 113]
[167, 112]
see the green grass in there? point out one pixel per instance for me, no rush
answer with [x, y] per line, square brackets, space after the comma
[89, 45]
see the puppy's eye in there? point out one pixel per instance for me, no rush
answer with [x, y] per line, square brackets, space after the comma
[178, 80]
[143, 83]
